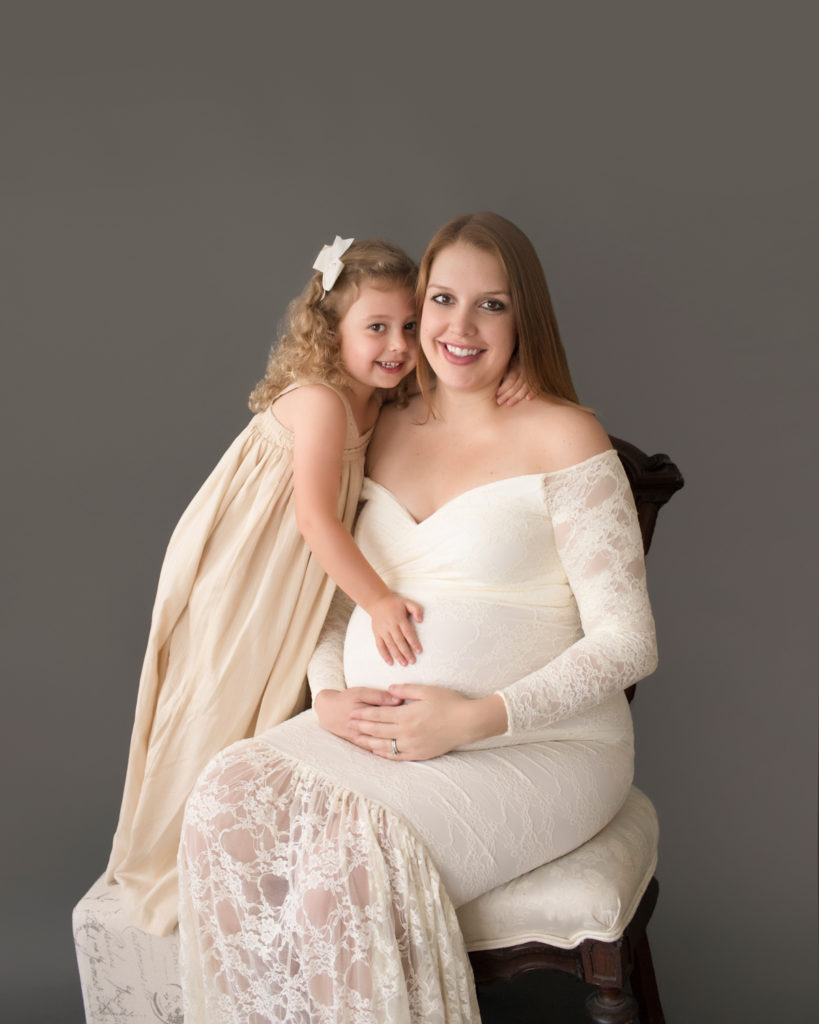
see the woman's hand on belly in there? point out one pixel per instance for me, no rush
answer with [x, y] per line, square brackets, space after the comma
[434, 721]
[334, 707]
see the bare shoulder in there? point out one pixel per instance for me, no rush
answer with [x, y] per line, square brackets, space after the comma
[310, 402]
[392, 429]
[561, 434]
[395, 419]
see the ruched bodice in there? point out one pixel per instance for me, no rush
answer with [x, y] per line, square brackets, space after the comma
[467, 546]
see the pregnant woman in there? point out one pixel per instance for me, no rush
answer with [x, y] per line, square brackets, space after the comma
[322, 862]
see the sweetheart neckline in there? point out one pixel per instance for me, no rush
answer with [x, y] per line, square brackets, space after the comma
[470, 490]
[479, 487]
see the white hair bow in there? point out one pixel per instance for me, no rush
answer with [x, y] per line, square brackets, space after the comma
[329, 262]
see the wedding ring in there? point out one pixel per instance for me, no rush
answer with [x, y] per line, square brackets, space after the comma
[394, 748]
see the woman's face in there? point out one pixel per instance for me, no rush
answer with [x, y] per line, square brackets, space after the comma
[467, 324]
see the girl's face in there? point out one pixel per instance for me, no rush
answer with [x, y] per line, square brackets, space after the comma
[377, 335]
[467, 324]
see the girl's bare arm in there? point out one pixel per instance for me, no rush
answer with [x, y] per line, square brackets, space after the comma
[319, 423]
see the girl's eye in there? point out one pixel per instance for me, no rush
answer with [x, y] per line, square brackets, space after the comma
[411, 325]
[494, 305]
[377, 328]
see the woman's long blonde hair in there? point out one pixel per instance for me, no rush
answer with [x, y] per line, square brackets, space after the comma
[538, 346]
[309, 349]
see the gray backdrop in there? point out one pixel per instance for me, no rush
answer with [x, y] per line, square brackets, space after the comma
[169, 172]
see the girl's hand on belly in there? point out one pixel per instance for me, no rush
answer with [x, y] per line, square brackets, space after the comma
[434, 721]
[334, 707]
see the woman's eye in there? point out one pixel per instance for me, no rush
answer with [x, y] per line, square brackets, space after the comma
[442, 299]
[494, 305]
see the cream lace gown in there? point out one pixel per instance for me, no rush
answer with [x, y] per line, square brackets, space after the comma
[239, 607]
[319, 881]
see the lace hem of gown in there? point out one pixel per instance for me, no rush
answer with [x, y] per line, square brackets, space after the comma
[305, 902]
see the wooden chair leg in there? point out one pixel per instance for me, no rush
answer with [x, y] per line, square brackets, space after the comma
[644, 985]
[611, 1006]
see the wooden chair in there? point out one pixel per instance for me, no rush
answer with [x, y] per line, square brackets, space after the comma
[586, 913]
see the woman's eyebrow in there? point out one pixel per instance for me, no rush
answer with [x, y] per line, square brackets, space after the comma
[445, 288]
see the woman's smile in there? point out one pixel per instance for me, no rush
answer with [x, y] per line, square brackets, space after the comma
[458, 354]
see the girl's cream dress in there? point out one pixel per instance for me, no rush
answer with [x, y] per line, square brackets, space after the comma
[239, 607]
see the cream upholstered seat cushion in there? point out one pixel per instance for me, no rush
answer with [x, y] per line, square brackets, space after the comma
[590, 893]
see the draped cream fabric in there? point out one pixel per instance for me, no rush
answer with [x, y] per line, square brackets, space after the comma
[319, 881]
[238, 610]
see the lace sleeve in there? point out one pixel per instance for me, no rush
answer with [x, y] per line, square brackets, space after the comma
[598, 539]
[326, 668]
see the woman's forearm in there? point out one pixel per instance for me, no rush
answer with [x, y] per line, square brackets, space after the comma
[483, 718]
[326, 668]
[597, 537]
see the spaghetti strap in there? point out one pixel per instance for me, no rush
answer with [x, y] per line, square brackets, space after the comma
[353, 434]
[354, 438]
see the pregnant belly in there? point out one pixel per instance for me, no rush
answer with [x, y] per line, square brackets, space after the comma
[471, 646]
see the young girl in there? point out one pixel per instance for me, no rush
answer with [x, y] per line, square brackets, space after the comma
[251, 567]
[253, 563]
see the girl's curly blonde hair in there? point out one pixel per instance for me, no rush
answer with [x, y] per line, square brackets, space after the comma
[309, 348]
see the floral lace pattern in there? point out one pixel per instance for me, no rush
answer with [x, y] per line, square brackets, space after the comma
[304, 903]
[597, 537]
